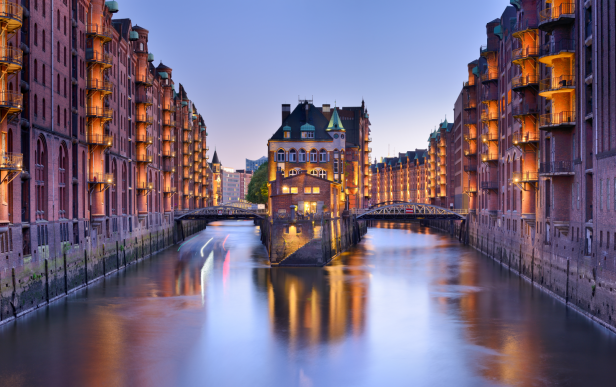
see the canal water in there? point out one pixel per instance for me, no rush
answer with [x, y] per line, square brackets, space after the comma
[409, 306]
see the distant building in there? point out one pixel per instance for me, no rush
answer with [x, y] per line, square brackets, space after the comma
[234, 184]
[253, 165]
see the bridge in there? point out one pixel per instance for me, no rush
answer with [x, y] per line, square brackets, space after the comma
[409, 211]
[225, 212]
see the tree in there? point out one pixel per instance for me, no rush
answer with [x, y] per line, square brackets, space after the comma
[257, 189]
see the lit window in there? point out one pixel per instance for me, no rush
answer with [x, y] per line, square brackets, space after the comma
[287, 134]
[323, 174]
[307, 190]
[294, 190]
[316, 190]
[280, 156]
[285, 189]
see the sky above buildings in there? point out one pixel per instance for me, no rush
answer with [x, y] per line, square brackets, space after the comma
[239, 60]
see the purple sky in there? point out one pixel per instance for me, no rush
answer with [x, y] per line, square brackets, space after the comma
[240, 60]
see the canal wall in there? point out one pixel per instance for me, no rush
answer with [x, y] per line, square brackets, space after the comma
[57, 269]
[309, 242]
[557, 266]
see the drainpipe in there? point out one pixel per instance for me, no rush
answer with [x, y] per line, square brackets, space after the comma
[53, 172]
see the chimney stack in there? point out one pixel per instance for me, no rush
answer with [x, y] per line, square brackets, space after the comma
[286, 111]
[327, 111]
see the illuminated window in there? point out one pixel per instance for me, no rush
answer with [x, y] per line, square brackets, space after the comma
[285, 189]
[294, 190]
[323, 174]
[287, 134]
[307, 190]
[316, 190]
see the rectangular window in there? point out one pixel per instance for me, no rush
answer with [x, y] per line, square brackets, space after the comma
[316, 190]
[307, 190]
[287, 134]
[285, 189]
[293, 190]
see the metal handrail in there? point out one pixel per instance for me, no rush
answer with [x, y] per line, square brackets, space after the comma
[169, 123]
[169, 153]
[101, 178]
[145, 99]
[11, 99]
[525, 80]
[552, 13]
[99, 57]
[145, 186]
[524, 177]
[9, 10]
[10, 54]
[489, 156]
[99, 112]
[557, 83]
[556, 167]
[144, 118]
[524, 109]
[95, 84]
[147, 79]
[11, 161]
[99, 139]
[144, 158]
[554, 48]
[524, 52]
[95, 29]
[522, 138]
[557, 118]
[489, 185]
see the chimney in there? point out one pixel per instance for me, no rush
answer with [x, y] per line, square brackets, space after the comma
[327, 111]
[286, 111]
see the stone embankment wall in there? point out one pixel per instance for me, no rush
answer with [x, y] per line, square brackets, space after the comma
[59, 271]
[559, 267]
[309, 242]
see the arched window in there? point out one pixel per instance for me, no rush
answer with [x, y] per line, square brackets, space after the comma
[294, 172]
[140, 46]
[280, 155]
[40, 161]
[313, 156]
[114, 194]
[64, 86]
[65, 118]
[65, 56]
[292, 155]
[44, 75]
[35, 105]
[58, 83]
[58, 50]
[62, 181]
[302, 156]
[323, 156]
[124, 187]
[64, 25]
[58, 114]
[35, 34]
[44, 44]
[323, 174]
[315, 172]
[36, 70]
[58, 20]
[44, 108]
[150, 195]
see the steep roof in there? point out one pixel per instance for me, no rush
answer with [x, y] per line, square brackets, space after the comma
[311, 119]
[335, 123]
[215, 158]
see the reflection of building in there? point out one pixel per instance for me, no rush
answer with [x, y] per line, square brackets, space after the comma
[253, 165]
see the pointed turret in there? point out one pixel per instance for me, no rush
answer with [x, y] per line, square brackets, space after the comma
[215, 158]
[335, 123]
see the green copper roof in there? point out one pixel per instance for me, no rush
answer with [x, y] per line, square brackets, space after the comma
[150, 57]
[498, 31]
[286, 127]
[307, 127]
[476, 70]
[113, 6]
[517, 4]
[334, 122]
[444, 124]
[134, 35]
[164, 75]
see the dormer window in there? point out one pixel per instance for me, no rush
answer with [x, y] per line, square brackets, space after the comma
[307, 134]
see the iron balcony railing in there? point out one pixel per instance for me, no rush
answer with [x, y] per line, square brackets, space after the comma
[170, 190]
[525, 137]
[469, 83]
[144, 118]
[557, 83]
[524, 80]
[524, 25]
[99, 139]
[11, 57]
[470, 152]
[555, 13]
[489, 185]
[556, 167]
[169, 123]
[188, 138]
[489, 156]
[12, 14]
[524, 177]
[144, 99]
[11, 100]
[490, 75]
[145, 139]
[470, 168]
[143, 158]
[98, 30]
[486, 49]
[487, 137]
[524, 53]
[100, 112]
[524, 109]
[555, 119]
[468, 136]
[99, 57]
[101, 178]
[170, 138]
[169, 153]
[145, 186]
[146, 80]
[169, 108]
[487, 116]
[100, 85]
[469, 105]
[489, 95]
[555, 48]
[11, 161]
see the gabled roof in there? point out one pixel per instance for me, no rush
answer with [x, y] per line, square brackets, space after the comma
[302, 119]
[335, 123]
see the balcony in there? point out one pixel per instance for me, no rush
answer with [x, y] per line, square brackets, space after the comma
[99, 112]
[470, 168]
[469, 83]
[98, 31]
[490, 75]
[488, 137]
[144, 99]
[368, 139]
[470, 152]
[523, 27]
[148, 140]
[524, 177]
[523, 81]
[563, 84]
[489, 185]
[486, 50]
[556, 168]
[470, 191]
[144, 188]
[101, 58]
[170, 190]
[188, 139]
[468, 136]
[169, 122]
[145, 159]
[469, 105]
[562, 120]
[520, 54]
[489, 157]
[169, 167]
[522, 110]
[169, 153]
[556, 15]
[489, 96]
[11, 100]
[102, 86]
[487, 116]
[563, 48]
[169, 108]
[145, 80]
[144, 119]
[522, 138]
[198, 138]
[11, 161]
[170, 138]
[11, 15]
[12, 58]
[99, 139]
[101, 178]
